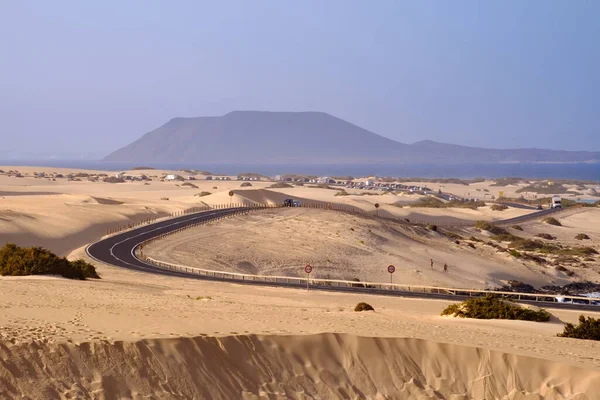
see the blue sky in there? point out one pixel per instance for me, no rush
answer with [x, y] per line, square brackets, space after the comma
[93, 76]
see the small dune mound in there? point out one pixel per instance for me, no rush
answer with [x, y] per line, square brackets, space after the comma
[107, 202]
[582, 236]
[363, 307]
[281, 185]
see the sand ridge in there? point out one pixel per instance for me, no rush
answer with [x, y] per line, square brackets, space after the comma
[323, 366]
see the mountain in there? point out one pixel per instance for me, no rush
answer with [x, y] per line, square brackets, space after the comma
[258, 137]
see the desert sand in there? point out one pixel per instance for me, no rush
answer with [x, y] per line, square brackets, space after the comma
[345, 246]
[135, 335]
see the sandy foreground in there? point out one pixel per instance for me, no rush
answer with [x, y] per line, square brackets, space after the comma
[134, 335]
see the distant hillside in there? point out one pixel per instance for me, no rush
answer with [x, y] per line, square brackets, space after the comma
[253, 137]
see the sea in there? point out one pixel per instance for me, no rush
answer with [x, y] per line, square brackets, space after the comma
[579, 171]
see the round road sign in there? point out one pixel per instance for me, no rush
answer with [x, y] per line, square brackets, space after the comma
[231, 193]
[308, 269]
[391, 269]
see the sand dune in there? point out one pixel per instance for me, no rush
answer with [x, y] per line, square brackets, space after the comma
[342, 246]
[324, 366]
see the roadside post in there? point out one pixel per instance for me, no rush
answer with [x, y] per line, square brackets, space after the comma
[308, 270]
[230, 196]
[391, 269]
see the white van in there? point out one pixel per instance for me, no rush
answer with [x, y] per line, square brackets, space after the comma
[556, 203]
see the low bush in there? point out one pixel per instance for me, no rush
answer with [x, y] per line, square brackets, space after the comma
[20, 261]
[588, 328]
[499, 207]
[507, 181]
[189, 184]
[246, 184]
[486, 226]
[202, 194]
[493, 307]
[517, 227]
[453, 236]
[543, 188]
[582, 236]
[432, 202]
[545, 236]
[432, 228]
[363, 307]
[342, 193]
[515, 253]
[113, 179]
[552, 221]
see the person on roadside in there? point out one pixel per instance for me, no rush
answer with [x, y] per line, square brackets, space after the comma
[446, 268]
[431, 262]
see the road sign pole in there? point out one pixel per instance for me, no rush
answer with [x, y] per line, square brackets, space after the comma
[308, 270]
[391, 269]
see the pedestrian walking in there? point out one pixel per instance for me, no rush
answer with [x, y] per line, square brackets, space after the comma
[446, 268]
[431, 262]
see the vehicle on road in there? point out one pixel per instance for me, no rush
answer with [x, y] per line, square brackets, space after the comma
[291, 203]
[556, 202]
[539, 207]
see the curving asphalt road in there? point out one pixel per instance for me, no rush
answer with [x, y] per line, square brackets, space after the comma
[119, 250]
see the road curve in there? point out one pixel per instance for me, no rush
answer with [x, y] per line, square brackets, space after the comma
[118, 250]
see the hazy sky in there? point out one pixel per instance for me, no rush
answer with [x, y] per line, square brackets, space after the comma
[94, 76]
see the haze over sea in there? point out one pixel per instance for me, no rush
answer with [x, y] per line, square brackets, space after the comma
[582, 171]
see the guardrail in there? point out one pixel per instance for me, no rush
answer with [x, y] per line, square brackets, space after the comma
[381, 287]
[384, 288]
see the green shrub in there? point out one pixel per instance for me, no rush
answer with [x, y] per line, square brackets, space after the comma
[363, 307]
[499, 207]
[493, 307]
[202, 194]
[582, 236]
[341, 193]
[20, 261]
[432, 228]
[588, 328]
[515, 253]
[552, 221]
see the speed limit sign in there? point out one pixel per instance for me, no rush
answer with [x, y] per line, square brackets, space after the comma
[391, 269]
[308, 269]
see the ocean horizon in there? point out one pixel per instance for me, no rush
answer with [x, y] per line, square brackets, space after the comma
[579, 171]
